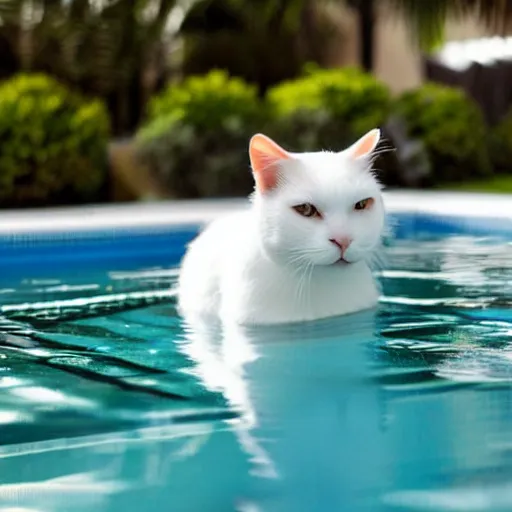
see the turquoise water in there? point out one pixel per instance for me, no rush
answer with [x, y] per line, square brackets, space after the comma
[108, 403]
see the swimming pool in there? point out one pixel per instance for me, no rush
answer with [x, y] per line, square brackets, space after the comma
[109, 403]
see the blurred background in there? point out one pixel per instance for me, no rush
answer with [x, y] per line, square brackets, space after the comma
[124, 100]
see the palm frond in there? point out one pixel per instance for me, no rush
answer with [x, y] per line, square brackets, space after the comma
[426, 18]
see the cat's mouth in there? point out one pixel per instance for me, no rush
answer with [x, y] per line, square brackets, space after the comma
[342, 261]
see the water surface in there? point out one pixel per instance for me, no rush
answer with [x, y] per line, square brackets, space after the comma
[109, 403]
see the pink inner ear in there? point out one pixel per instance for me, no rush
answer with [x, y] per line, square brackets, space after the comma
[265, 155]
[366, 144]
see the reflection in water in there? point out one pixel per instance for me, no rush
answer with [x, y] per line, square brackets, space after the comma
[310, 419]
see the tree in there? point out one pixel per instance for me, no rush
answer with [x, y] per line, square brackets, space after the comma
[103, 48]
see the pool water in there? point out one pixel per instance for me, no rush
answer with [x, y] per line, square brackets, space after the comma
[109, 403]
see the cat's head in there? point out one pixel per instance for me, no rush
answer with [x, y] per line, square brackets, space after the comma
[319, 208]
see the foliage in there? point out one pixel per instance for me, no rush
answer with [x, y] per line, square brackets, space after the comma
[500, 144]
[206, 101]
[234, 35]
[104, 49]
[197, 132]
[327, 108]
[501, 184]
[426, 19]
[118, 49]
[53, 143]
[452, 128]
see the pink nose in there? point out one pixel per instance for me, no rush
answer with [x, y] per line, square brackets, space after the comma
[343, 243]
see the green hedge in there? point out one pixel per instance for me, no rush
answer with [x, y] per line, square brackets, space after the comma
[53, 143]
[197, 132]
[327, 108]
[452, 128]
[196, 135]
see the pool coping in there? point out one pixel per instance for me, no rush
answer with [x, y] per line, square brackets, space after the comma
[168, 214]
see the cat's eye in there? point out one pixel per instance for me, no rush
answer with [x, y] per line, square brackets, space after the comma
[364, 204]
[307, 210]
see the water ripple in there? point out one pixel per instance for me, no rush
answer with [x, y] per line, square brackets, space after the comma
[444, 323]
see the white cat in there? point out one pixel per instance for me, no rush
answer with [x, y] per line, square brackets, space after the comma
[300, 251]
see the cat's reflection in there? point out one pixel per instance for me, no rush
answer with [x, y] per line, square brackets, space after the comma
[309, 418]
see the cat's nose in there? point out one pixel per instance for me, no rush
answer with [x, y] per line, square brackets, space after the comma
[343, 243]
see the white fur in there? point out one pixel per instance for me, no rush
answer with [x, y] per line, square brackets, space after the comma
[270, 265]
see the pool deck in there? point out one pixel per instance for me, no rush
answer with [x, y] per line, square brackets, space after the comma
[176, 213]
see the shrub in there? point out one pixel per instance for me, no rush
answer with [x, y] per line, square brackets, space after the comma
[452, 129]
[53, 143]
[327, 108]
[197, 133]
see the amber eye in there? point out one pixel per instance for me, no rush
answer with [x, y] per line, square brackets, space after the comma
[364, 204]
[307, 210]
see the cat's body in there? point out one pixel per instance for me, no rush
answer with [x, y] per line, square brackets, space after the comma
[226, 275]
[283, 259]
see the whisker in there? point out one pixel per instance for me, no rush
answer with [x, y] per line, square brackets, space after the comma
[310, 274]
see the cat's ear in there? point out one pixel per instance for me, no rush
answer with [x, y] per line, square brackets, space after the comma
[365, 145]
[265, 156]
